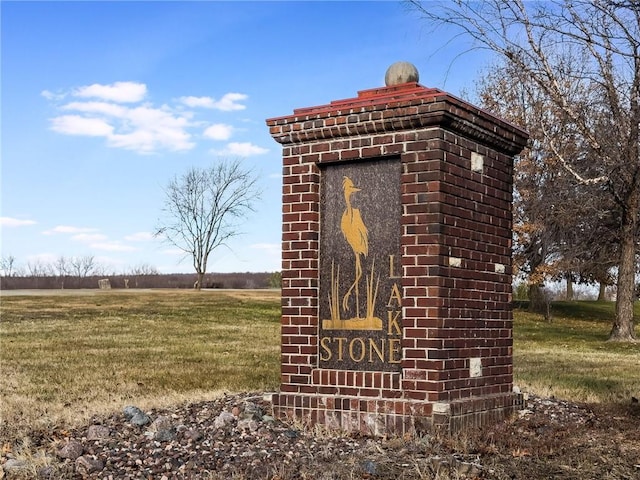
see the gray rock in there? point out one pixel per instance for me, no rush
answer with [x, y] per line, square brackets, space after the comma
[223, 420]
[136, 416]
[86, 465]
[370, 467]
[251, 411]
[268, 419]
[165, 435]
[98, 432]
[72, 450]
[163, 422]
[140, 419]
[163, 429]
[248, 424]
[129, 411]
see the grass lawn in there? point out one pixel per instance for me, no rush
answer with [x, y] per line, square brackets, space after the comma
[67, 357]
[570, 358]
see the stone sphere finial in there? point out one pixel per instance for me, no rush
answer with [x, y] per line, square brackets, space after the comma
[401, 72]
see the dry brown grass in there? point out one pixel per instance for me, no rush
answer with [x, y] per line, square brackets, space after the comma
[68, 357]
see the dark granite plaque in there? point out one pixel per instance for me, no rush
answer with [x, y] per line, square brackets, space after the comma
[360, 302]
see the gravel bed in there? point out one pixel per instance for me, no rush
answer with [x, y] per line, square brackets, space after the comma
[235, 437]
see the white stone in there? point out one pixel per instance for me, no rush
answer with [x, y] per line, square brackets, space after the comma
[441, 407]
[477, 162]
[499, 268]
[455, 262]
[475, 367]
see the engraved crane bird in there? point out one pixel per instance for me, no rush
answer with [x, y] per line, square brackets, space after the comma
[355, 232]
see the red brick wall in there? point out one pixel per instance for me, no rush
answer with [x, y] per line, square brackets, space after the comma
[456, 261]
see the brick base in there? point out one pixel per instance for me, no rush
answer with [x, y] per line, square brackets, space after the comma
[398, 417]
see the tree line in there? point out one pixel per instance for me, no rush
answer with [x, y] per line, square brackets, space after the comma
[81, 266]
[40, 275]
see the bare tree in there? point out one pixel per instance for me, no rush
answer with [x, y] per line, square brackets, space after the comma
[84, 266]
[144, 269]
[7, 265]
[203, 208]
[584, 55]
[62, 266]
[37, 268]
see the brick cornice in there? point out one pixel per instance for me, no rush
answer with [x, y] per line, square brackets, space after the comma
[392, 109]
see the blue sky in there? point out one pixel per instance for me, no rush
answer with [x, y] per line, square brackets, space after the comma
[103, 103]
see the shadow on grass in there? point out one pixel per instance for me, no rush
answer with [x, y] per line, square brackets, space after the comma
[558, 331]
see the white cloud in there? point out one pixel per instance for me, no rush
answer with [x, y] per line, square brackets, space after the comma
[228, 102]
[241, 149]
[154, 128]
[113, 246]
[116, 112]
[195, 102]
[89, 237]
[139, 237]
[77, 125]
[121, 92]
[15, 222]
[52, 96]
[142, 129]
[105, 108]
[219, 131]
[70, 230]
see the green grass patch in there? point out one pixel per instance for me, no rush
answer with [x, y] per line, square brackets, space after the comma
[570, 358]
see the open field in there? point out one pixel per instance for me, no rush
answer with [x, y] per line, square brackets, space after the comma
[69, 354]
[67, 358]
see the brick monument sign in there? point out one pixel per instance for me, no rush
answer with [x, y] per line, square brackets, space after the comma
[396, 261]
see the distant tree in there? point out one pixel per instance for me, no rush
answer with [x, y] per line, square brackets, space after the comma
[62, 266]
[38, 268]
[8, 265]
[275, 280]
[203, 209]
[84, 266]
[144, 269]
[584, 56]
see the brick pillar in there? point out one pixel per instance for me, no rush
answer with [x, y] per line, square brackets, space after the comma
[433, 176]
